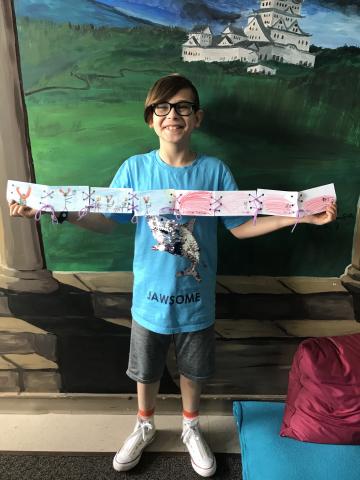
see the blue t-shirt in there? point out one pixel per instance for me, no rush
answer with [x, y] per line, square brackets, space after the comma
[175, 259]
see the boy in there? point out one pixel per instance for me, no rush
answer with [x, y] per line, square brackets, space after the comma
[162, 271]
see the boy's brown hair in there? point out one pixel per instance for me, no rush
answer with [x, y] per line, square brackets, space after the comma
[165, 88]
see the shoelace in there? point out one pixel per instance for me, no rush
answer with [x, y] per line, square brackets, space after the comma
[187, 432]
[192, 431]
[145, 427]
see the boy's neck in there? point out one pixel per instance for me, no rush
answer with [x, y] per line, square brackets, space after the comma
[176, 157]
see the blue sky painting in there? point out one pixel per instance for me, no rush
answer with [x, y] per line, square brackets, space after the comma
[331, 23]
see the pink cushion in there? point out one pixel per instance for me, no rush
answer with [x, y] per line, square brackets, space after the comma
[323, 401]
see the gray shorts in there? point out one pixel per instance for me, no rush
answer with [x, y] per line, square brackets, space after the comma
[195, 354]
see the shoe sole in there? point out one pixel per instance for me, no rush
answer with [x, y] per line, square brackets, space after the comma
[204, 472]
[124, 467]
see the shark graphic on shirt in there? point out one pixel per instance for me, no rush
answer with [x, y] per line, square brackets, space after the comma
[177, 239]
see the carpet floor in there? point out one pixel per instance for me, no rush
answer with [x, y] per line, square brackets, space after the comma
[153, 466]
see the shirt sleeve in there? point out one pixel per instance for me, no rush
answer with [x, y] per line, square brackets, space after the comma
[228, 183]
[122, 179]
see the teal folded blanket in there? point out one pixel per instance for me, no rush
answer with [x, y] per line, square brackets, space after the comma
[267, 456]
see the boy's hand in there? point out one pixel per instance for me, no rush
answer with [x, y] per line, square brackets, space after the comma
[322, 218]
[17, 210]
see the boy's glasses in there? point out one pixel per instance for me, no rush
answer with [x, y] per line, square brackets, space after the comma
[182, 108]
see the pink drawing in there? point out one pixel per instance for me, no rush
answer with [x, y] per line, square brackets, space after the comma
[277, 204]
[65, 193]
[194, 203]
[23, 196]
[316, 204]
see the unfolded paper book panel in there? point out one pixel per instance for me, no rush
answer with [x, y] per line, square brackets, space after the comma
[84, 200]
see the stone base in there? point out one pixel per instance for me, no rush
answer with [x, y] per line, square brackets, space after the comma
[260, 323]
[38, 381]
[28, 373]
[350, 284]
[30, 281]
[21, 337]
[64, 302]
[9, 377]
[318, 306]
[351, 279]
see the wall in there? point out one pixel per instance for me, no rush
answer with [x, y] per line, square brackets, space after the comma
[85, 86]
[85, 72]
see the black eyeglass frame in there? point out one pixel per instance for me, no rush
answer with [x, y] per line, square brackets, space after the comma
[194, 108]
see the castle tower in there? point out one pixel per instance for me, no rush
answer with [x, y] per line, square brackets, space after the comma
[277, 22]
[200, 36]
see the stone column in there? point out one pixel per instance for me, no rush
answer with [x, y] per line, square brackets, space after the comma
[351, 277]
[21, 256]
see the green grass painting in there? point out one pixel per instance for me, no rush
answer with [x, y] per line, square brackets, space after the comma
[85, 87]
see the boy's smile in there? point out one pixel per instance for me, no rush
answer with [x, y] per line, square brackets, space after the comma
[174, 128]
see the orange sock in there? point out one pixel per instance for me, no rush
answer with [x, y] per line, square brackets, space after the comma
[190, 415]
[145, 414]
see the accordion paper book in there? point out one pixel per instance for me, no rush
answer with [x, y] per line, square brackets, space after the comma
[86, 199]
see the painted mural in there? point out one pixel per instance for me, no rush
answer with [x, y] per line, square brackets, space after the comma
[278, 81]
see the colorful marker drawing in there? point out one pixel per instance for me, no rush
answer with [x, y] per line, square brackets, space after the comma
[315, 200]
[25, 193]
[194, 202]
[155, 202]
[23, 196]
[70, 198]
[111, 200]
[170, 201]
[275, 202]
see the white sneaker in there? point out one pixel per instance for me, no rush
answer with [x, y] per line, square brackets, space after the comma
[202, 458]
[130, 453]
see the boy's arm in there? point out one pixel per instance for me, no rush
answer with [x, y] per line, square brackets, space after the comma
[270, 224]
[93, 221]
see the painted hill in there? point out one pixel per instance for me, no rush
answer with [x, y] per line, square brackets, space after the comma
[184, 13]
[341, 17]
[78, 12]
[118, 13]
[188, 12]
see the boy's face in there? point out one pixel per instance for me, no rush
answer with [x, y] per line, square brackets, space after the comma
[174, 128]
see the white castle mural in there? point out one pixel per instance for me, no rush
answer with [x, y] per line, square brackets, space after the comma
[272, 33]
